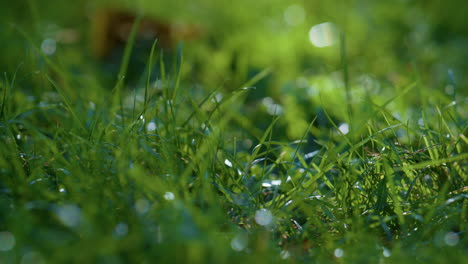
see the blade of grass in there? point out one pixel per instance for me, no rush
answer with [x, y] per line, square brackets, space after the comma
[148, 79]
[67, 102]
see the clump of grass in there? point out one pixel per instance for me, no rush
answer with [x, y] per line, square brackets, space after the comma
[172, 173]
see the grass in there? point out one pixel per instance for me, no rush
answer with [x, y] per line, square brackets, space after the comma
[177, 171]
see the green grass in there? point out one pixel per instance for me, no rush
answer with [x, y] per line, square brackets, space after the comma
[253, 166]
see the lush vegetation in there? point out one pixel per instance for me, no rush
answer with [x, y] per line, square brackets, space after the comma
[260, 140]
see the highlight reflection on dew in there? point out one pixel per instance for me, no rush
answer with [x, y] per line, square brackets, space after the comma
[169, 196]
[338, 252]
[386, 252]
[142, 206]
[285, 254]
[121, 230]
[48, 46]
[151, 126]
[323, 35]
[344, 128]
[239, 242]
[70, 215]
[263, 217]
[228, 163]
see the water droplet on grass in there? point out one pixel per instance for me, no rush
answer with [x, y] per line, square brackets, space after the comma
[239, 242]
[421, 122]
[218, 98]
[151, 126]
[121, 230]
[451, 239]
[169, 196]
[344, 128]
[142, 206]
[263, 217]
[386, 252]
[48, 46]
[276, 182]
[271, 183]
[7, 241]
[228, 163]
[285, 254]
[70, 215]
[338, 252]
[92, 105]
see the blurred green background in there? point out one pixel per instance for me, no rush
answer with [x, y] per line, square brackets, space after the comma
[383, 46]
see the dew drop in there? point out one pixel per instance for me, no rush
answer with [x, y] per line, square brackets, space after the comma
[421, 122]
[285, 254]
[239, 242]
[48, 46]
[344, 128]
[121, 230]
[386, 252]
[70, 215]
[142, 206]
[169, 196]
[151, 126]
[228, 163]
[263, 217]
[338, 252]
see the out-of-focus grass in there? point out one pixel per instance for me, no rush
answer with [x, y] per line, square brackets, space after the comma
[250, 145]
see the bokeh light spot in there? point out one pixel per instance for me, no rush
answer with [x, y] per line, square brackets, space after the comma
[48, 46]
[239, 242]
[338, 252]
[451, 239]
[121, 230]
[323, 35]
[7, 241]
[70, 215]
[263, 217]
[142, 206]
[169, 196]
[151, 126]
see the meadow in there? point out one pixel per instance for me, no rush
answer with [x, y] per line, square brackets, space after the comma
[251, 131]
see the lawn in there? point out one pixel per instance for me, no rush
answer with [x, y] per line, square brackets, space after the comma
[233, 131]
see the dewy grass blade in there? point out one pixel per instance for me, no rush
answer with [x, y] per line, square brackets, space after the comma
[425, 164]
[124, 66]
